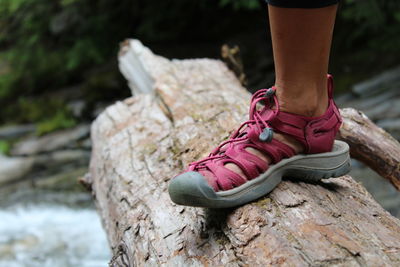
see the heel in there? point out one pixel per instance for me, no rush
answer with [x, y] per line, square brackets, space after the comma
[314, 175]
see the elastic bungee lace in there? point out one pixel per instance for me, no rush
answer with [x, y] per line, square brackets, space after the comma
[255, 119]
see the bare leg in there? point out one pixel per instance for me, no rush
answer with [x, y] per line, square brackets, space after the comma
[301, 41]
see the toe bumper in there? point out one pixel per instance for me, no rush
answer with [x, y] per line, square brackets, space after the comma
[191, 189]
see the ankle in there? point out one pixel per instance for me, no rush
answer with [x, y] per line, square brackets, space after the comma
[309, 106]
[303, 101]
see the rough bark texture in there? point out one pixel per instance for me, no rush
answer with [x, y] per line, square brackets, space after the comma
[142, 142]
[371, 145]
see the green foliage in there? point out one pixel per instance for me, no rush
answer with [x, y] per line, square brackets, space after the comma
[4, 147]
[50, 114]
[61, 120]
[374, 23]
[48, 44]
[241, 4]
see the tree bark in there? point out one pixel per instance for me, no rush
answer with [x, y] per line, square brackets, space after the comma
[191, 105]
[371, 144]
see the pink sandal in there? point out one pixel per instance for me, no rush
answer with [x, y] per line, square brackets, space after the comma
[323, 157]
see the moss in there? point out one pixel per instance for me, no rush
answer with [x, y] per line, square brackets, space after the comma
[176, 151]
[161, 158]
[291, 238]
[197, 117]
[221, 241]
[150, 148]
[176, 148]
[278, 212]
[264, 203]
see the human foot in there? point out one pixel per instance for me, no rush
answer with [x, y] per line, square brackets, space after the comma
[263, 150]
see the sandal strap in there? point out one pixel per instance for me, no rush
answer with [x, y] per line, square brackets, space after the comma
[251, 165]
[225, 178]
[315, 134]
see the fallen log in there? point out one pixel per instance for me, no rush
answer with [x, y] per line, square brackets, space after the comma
[190, 106]
[371, 144]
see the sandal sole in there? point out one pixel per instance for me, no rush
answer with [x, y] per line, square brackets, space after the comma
[191, 188]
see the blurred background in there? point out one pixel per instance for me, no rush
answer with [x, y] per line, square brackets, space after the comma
[58, 71]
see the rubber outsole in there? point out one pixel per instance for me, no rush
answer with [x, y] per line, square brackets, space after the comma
[192, 189]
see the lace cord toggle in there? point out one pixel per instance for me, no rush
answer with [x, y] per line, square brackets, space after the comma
[269, 93]
[266, 135]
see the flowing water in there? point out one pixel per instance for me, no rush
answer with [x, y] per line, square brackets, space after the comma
[51, 235]
[50, 229]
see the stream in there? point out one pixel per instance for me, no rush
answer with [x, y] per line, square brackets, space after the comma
[51, 235]
[48, 228]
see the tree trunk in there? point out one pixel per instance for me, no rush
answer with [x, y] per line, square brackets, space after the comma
[191, 105]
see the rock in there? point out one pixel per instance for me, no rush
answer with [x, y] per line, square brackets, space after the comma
[388, 79]
[61, 187]
[350, 100]
[14, 168]
[380, 189]
[51, 142]
[59, 158]
[76, 107]
[392, 126]
[382, 104]
[67, 180]
[43, 164]
[15, 131]
[86, 144]
[379, 107]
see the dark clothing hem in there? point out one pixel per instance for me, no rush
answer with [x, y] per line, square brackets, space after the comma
[302, 3]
